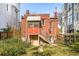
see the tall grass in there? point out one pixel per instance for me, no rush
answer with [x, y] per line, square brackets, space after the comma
[12, 47]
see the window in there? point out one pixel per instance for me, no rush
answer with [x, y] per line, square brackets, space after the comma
[69, 22]
[33, 24]
[36, 25]
[76, 16]
[69, 7]
[43, 21]
[75, 3]
[30, 25]
[7, 7]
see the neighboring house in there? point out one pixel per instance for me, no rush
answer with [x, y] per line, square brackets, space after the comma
[71, 17]
[76, 17]
[9, 15]
[38, 28]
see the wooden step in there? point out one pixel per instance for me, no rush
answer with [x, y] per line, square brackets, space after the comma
[45, 39]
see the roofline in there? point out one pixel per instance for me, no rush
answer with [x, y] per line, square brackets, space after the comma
[53, 18]
[38, 14]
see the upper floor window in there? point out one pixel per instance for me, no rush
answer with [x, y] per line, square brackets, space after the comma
[33, 24]
[77, 16]
[42, 21]
[7, 7]
[75, 3]
[30, 25]
[36, 25]
[69, 6]
[69, 22]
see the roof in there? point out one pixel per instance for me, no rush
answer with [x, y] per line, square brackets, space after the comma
[38, 14]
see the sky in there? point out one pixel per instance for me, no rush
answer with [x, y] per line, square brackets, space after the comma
[40, 8]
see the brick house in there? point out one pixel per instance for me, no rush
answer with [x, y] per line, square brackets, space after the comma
[39, 28]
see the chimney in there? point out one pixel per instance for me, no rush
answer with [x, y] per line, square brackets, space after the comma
[55, 13]
[27, 12]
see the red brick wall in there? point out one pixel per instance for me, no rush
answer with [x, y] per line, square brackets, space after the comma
[54, 25]
[46, 26]
[24, 32]
[34, 31]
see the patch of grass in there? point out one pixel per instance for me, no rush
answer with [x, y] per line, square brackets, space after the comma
[12, 47]
[15, 47]
[59, 50]
[75, 46]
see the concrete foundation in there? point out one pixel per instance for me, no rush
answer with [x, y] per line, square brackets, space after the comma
[23, 39]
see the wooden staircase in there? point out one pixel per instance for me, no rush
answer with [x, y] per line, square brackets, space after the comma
[44, 39]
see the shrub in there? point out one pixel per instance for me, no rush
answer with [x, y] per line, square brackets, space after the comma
[75, 46]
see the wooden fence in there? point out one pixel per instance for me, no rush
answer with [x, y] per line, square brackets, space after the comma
[70, 38]
[4, 35]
